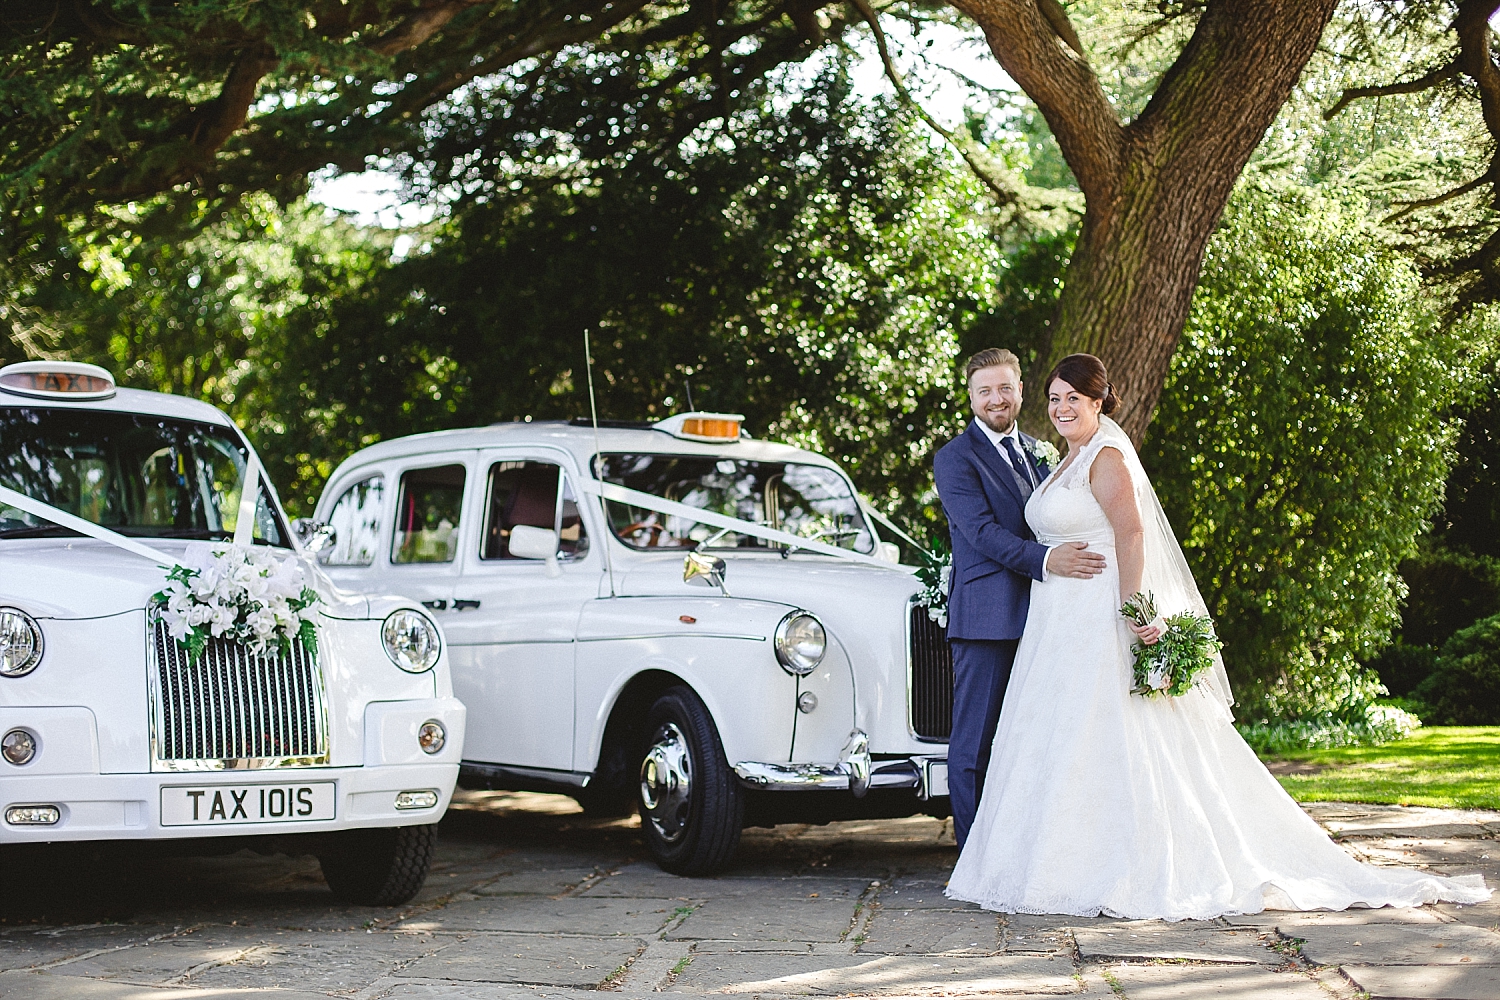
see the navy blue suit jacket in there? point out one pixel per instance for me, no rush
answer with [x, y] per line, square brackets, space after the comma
[995, 555]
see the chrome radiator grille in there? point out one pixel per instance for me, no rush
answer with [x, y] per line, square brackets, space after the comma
[232, 709]
[931, 677]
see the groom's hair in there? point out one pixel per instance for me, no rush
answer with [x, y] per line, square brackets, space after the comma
[990, 357]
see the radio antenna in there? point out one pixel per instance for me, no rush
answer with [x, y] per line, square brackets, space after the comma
[598, 470]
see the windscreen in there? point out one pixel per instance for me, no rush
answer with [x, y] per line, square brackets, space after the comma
[809, 501]
[133, 473]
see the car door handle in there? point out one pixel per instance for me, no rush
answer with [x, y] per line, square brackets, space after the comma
[438, 605]
[463, 604]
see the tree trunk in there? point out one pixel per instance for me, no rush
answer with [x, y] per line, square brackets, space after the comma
[1154, 188]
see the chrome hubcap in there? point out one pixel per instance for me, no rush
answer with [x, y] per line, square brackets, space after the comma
[667, 783]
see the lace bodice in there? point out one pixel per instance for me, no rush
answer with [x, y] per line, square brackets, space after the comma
[1063, 508]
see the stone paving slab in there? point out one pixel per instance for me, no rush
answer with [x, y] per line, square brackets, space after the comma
[1345, 819]
[754, 919]
[595, 917]
[1358, 917]
[1426, 983]
[1186, 982]
[48, 986]
[167, 960]
[530, 899]
[1028, 932]
[888, 975]
[548, 960]
[932, 932]
[1389, 944]
[920, 894]
[42, 946]
[1191, 941]
[645, 880]
[332, 963]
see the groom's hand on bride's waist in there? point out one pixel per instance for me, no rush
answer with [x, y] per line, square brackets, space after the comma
[1073, 559]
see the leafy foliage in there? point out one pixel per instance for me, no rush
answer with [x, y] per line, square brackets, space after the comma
[1375, 726]
[1301, 446]
[1464, 686]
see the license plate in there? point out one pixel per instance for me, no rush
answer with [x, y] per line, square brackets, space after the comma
[221, 805]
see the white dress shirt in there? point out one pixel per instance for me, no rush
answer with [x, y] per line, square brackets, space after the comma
[996, 439]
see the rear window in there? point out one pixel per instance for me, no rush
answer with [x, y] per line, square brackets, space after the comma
[809, 501]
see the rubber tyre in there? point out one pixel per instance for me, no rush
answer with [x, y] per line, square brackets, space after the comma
[379, 867]
[716, 807]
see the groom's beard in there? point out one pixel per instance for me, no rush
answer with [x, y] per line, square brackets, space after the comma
[991, 421]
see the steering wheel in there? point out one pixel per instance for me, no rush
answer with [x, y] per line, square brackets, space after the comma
[638, 527]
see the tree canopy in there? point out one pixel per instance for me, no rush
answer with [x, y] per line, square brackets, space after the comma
[189, 106]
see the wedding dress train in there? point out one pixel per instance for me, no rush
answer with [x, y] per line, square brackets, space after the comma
[1100, 801]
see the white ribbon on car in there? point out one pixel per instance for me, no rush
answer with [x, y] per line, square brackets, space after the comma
[62, 518]
[243, 528]
[649, 501]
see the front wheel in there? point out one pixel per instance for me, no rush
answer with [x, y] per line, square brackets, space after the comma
[691, 808]
[379, 867]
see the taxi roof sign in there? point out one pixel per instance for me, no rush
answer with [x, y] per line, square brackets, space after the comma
[57, 380]
[698, 426]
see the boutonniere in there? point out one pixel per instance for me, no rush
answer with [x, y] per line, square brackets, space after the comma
[1044, 452]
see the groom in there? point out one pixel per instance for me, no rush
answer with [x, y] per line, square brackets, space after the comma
[984, 477]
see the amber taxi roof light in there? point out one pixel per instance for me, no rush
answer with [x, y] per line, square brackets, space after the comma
[57, 380]
[698, 426]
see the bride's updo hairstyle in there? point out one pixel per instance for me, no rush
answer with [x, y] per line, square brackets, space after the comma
[1085, 373]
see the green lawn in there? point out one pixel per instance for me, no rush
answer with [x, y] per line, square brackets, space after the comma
[1446, 766]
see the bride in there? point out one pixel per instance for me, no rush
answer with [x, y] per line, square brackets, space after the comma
[1101, 801]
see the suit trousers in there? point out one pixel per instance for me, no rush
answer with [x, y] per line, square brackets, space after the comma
[981, 670]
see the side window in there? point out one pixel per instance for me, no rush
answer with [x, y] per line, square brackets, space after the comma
[528, 493]
[356, 524]
[427, 515]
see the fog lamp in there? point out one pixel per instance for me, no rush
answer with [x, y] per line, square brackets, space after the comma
[33, 815]
[432, 736]
[806, 702]
[18, 746]
[423, 798]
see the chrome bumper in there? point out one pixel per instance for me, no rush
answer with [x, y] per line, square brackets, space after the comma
[855, 772]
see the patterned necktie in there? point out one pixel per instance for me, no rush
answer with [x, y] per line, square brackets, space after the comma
[1021, 467]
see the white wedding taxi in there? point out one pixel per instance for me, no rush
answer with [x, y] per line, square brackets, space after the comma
[112, 729]
[672, 617]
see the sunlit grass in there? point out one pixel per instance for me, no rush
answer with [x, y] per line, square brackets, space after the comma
[1455, 767]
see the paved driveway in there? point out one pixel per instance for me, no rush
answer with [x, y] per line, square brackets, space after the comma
[529, 899]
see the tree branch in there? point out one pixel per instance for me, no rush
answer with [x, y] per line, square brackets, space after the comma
[1411, 206]
[1003, 183]
[422, 25]
[1416, 86]
[1055, 75]
[1476, 61]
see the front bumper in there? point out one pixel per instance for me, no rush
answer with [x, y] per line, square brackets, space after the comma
[855, 772]
[128, 806]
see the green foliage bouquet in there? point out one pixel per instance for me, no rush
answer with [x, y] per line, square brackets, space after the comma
[1185, 650]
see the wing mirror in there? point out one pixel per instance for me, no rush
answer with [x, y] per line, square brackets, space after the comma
[528, 542]
[705, 570]
[315, 536]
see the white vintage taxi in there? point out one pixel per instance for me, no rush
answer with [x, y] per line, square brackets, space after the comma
[711, 630]
[124, 717]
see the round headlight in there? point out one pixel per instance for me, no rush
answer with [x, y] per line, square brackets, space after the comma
[411, 640]
[800, 643]
[20, 642]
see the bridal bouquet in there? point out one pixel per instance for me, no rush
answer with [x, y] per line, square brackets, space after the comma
[1185, 650]
[245, 595]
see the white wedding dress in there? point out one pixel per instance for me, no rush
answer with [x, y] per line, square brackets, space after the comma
[1100, 801]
